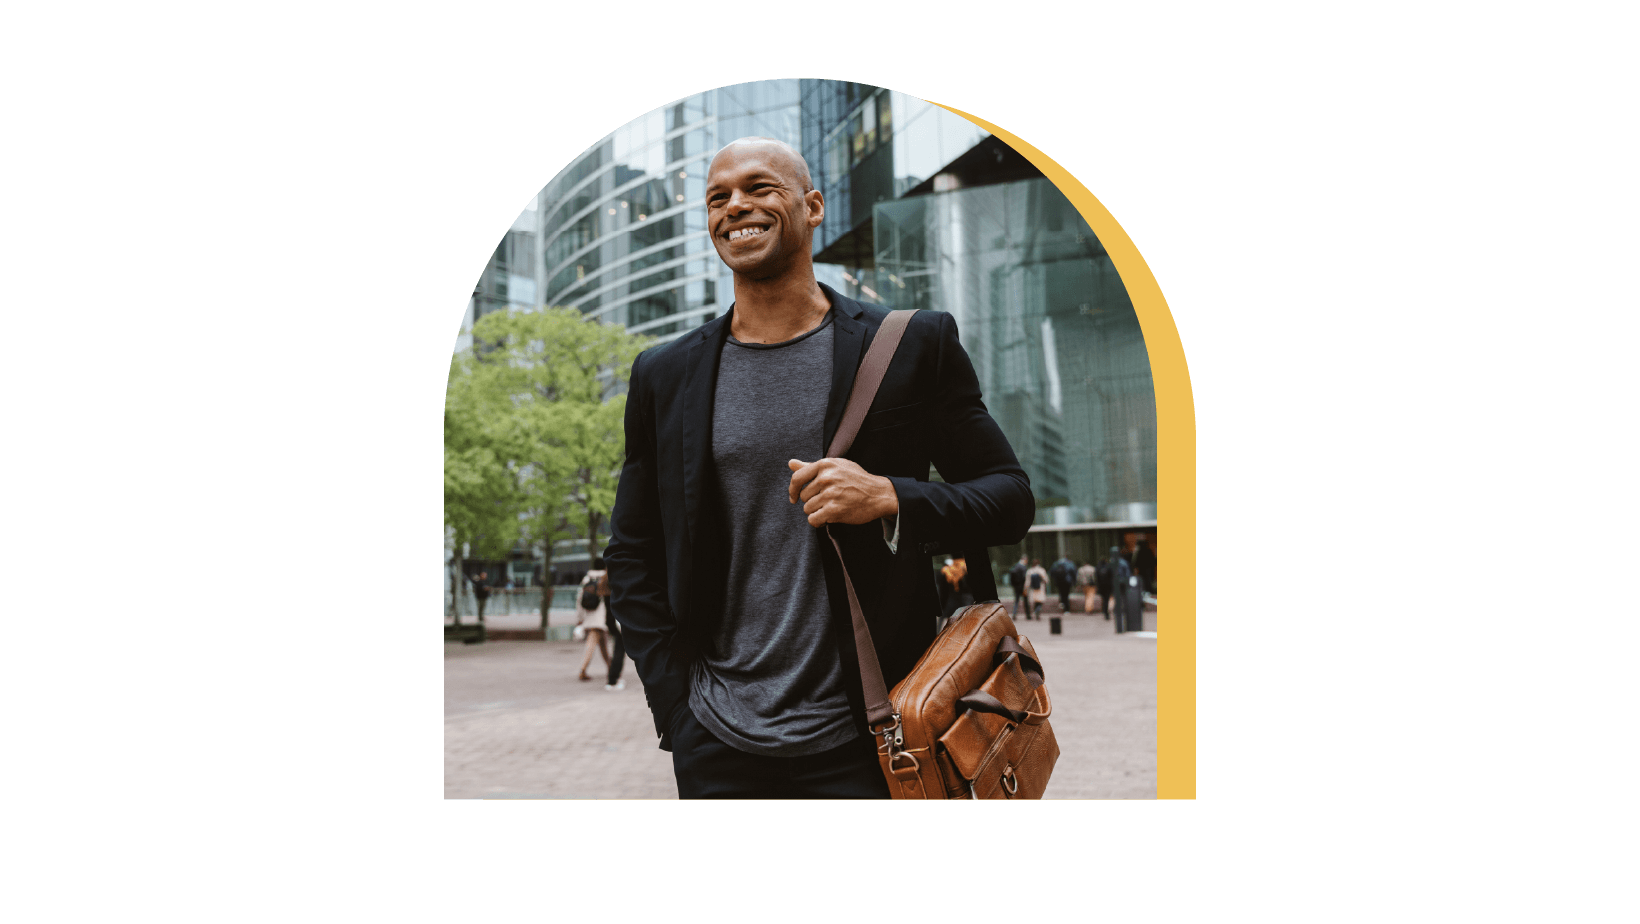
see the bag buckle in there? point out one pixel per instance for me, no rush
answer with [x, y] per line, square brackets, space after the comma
[892, 736]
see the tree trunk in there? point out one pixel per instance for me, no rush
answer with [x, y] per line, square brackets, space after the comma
[594, 519]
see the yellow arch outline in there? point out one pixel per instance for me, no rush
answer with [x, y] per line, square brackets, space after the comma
[1175, 475]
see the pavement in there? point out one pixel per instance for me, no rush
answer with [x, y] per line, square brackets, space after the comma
[518, 725]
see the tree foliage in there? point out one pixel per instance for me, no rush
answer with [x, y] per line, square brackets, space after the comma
[532, 448]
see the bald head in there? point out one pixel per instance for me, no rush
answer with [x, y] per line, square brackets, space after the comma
[784, 154]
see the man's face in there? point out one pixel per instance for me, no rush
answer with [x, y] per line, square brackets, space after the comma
[761, 220]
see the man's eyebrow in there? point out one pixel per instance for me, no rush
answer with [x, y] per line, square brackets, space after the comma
[750, 178]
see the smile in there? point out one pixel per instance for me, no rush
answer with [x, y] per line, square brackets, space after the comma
[740, 233]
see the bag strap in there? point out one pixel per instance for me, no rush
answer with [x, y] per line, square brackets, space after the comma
[866, 382]
[868, 379]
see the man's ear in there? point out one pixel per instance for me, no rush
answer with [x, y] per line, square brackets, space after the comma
[817, 207]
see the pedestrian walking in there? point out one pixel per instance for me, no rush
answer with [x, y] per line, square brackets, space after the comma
[1036, 589]
[481, 591]
[590, 620]
[1088, 577]
[1107, 581]
[1016, 580]
[1119, 576]
[1063, 573]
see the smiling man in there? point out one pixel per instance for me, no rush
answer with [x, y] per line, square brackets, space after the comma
[730, 599]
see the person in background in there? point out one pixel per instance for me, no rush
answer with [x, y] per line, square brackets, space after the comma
[592, 622]
[1036, 589]
[954, 593]
[1118, 572]
[481, 590]
[1107, 581]
[1088, 577]
[1016, 580]
[1063, 573]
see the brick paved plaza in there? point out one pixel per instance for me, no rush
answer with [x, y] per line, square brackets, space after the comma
[518, 725]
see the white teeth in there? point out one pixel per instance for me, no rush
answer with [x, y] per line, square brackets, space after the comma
[739, 233]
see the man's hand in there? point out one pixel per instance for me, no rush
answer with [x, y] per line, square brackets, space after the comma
[840, 491]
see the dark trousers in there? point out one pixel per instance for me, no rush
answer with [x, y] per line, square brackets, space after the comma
[706, 768]
[618, 659]
[1019, 594]
[1105, 595]
[1065, 597]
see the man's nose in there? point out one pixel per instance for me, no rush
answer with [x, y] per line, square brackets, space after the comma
[738, 202]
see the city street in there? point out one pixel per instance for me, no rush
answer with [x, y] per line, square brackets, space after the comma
[518, 725]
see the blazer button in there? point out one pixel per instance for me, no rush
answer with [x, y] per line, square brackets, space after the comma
[929, 548]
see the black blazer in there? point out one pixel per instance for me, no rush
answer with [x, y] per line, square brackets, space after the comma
[667, 557]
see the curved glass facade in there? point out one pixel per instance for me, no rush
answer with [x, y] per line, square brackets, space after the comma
[1051, 331]
[927, 210]
[623, 228]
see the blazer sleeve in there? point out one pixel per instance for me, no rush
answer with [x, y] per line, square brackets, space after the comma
[985, 498]
[636, 559]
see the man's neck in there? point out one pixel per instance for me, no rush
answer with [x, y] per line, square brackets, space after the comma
[777, 310]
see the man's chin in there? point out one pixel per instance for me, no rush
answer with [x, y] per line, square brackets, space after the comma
[755, 268]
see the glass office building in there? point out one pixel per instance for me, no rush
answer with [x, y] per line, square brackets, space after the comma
[623, 229]
[1050, 330]
[927, 210]
[620, 234]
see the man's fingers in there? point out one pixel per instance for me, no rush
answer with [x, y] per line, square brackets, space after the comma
[802, 472]
[805, 475]
[820, 483]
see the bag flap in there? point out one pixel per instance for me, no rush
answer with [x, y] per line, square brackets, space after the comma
[971, 739]
[972, 736]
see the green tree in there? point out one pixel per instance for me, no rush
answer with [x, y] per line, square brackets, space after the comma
[531, 392]
[480, 495]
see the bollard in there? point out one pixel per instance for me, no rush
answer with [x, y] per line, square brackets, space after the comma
[1053, 625]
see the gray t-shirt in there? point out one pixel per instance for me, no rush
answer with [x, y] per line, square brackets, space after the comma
[771, 682]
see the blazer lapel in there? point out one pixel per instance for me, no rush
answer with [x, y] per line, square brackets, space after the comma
[848, 348]
[698, 390]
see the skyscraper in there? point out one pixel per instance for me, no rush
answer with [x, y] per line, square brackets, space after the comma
[621, 232]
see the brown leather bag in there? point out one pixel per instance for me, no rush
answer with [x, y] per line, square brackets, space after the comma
[971, 719]
[972, 716]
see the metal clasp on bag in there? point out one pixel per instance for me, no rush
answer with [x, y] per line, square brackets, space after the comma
[894, 736]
